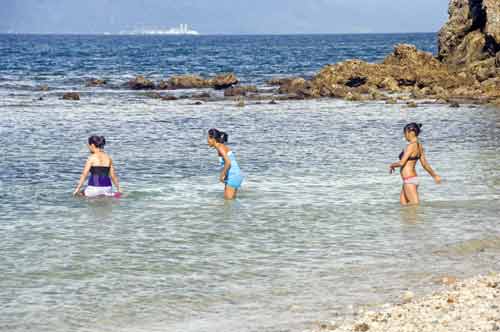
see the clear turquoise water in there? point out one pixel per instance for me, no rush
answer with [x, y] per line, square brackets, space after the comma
[317, 227]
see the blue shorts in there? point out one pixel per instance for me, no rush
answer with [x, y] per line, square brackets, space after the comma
[234, 180]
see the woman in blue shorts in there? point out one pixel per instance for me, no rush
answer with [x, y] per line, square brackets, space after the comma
[231, 174]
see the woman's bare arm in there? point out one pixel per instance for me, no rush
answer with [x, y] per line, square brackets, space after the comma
[113, 176]
[427, 166]
[84, 175]
[227, 163]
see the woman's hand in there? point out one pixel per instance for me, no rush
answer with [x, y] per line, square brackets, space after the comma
[437, 179]
[76, 192]
[222, 178]
[393, 167]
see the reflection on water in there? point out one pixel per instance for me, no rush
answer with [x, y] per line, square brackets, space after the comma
[412, 214]
[100, 208]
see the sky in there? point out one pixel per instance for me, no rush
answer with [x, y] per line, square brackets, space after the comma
[223, 16]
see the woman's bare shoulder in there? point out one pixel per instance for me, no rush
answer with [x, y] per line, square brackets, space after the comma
[100, 159]
[223, 149]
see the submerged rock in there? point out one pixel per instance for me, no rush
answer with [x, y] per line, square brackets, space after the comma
[71, 96]
[43, 87]
[240, 90]
[93, 82]
[240, 103]
[157, 95]
[202, 95]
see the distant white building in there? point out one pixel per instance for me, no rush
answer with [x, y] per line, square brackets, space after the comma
[183, 29]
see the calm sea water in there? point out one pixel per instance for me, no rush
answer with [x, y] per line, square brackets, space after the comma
[317, 227]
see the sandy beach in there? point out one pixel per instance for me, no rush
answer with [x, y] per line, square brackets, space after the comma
[468, 305]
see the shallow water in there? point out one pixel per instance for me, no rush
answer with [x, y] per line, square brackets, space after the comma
[317, 226]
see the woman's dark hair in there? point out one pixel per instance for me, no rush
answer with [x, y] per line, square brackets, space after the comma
[219, 136]
[98, 141]
[415, 127]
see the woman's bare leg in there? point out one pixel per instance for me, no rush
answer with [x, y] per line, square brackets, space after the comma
[230, 193]
[411, 193]
[402, 197]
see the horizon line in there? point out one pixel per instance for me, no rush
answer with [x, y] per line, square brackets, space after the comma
[210, 34]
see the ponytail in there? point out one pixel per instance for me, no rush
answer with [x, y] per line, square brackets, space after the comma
[219, 136]
[415, 127]
[97, 141]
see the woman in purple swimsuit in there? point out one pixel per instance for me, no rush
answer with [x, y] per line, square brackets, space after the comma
[102, 172]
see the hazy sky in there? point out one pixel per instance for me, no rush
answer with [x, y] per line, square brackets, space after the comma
[223, 16]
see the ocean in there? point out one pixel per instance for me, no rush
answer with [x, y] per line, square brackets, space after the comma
[316, 232]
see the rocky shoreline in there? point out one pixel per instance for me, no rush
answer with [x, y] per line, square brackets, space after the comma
[466, 69]
[469, 305]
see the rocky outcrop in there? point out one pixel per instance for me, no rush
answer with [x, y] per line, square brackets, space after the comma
[472, 32]
[492, 26]
[71, 96]
[467, 66]
[223, 81]
[186, 82]
[141, 83]
[405, 70]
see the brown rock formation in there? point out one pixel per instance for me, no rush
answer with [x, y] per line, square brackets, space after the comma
[186, 82]
[472, 32]
[291, 85]
[223, 81]
[276, 81]
[403, 70]
[141, 83]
